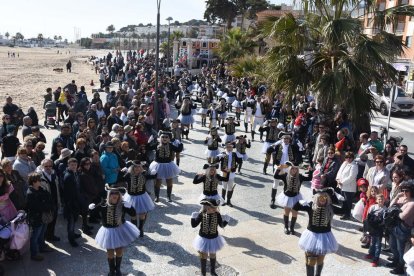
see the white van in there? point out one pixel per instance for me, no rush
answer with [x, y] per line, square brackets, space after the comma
[402, 104]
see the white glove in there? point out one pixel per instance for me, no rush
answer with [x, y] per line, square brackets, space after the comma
[194, 215]
[339, 197]
[124, 169]
[127, 204]
[91, 206]
[153, 172]
[226, 218]
[303, 202]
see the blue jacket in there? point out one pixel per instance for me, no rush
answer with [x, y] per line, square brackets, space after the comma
[109, 164]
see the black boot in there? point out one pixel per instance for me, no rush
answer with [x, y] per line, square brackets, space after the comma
[177, 161]
[398, 270]
[111, 263]
[213, 266]
[310, 270]
[86, 229]
[292, 225]
[319, 270]
[134, 222]
[169, 191]
[245, 127]
[141, 227]
[157, 193]
[229, 195]
[223, 195]
[253, 132]
[286, 220]
[118, 261]
[273, 196]
[203, 266]
[240, 165]
[265, 168]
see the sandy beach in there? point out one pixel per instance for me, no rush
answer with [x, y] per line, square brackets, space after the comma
[27, 77]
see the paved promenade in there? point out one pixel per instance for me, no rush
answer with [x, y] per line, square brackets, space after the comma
[256, 244]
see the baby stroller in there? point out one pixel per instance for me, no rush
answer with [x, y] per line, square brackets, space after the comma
[14, 237]
[50, 114]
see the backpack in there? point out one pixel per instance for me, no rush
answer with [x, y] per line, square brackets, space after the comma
[391, 217]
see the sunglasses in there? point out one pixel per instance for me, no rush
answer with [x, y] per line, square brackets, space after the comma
[348, 157]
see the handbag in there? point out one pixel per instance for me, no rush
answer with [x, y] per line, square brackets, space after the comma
[47, 217]
[20, 235]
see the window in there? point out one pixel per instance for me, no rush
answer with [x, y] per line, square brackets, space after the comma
[408, 41]
[204, 45]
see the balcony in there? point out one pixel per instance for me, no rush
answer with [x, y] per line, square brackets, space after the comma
[400, 28]
[403, 2]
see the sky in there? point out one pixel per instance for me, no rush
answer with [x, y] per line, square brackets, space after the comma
[56, 17]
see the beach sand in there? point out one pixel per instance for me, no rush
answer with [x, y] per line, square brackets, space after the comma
[27, 77]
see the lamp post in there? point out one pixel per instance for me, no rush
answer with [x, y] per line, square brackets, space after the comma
[157, 67]
[169, 19]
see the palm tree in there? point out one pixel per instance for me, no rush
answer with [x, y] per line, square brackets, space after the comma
[7, 35]
[235, 44]
[40, 38]
[55, 37]
[60, 38]
[176, 35]
[110, 29]
[18, 37]
[327, 52]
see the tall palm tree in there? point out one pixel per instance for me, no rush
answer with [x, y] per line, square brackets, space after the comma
[7, 35]
[177, 35]
[235, 44]
[327, 52]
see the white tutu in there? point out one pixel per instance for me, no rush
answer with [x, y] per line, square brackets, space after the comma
[230, 99]
[212, 153]
[164, 170]
[121, 236]
[318, 243]
[141, 203]
[219, 93]
[193, 111]
[216, 197]
[202, 111]
[223, 115]
[266, 145]
[288, 201]
[236, 104]
[208, 245]
[228, 138]
[177, 143]
[186, 119]
[244, 157]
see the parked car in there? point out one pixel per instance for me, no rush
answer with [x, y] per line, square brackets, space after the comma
[402, 104]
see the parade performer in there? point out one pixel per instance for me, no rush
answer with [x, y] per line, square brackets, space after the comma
[317, 240]
[163, 165]
[230, 129]
[259, 113]
[248, 106]
[208, 240]
[222, 111]
[283, 151]
[136, 195]
[115, 233]
[205, 102]
[177, 132]
[272, 130]
[292, 181]
[212, 141]
[228, 164]
[210, 180]
[213, 115]
[186, 116]
[241, 145]
[237, 104]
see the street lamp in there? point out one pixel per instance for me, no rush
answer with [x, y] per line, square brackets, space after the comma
[169, 19]
[157, 65]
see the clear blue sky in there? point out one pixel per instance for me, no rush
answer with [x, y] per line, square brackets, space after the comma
[56, 17]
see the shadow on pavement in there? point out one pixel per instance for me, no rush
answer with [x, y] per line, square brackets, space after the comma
[258, 251]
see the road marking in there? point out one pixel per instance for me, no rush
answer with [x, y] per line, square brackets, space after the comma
[396, 124]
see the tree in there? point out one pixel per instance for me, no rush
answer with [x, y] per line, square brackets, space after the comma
[235, 44]
[176, 23]
[327, 52]
[164, 47]
[55, 37]
[110, 29]
[224, 10]
[18, 37]
[176, 35]
[86, 42]
[134, 44]
[40, 38]
[125, 43]
[7, 35]
[60, 38]
[193, 33]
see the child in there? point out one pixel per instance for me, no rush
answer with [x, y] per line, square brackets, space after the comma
[375, 227]
[370, 201]
[208, 241]
[409, 257]
[115, 233]
[241, 145]
[212, 141]
[316, 175]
